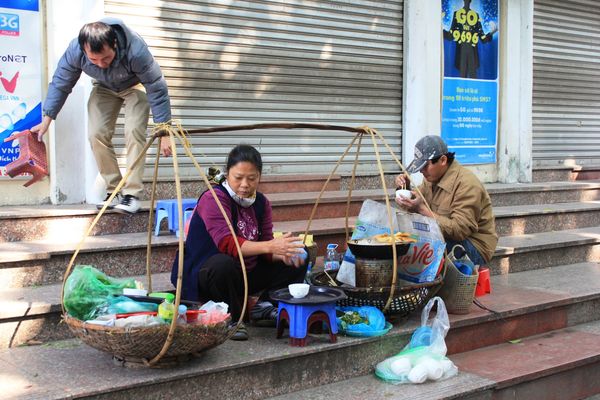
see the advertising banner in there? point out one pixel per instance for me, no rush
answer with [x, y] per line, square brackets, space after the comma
[20, 73]
[470, 84]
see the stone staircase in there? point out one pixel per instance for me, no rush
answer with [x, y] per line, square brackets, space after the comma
[546, 292]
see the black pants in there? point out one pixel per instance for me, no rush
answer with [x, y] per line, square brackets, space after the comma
[221, 279]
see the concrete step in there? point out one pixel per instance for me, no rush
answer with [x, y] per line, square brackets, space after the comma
[521, 219]
[566, 173]
[526, 304]
[32, 314]
[43, 262]
[25, 223]
[562, 365]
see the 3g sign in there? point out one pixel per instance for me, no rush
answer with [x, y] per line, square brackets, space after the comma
[9, 24]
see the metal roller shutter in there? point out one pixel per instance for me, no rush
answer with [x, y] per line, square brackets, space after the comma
[566, 82]
[229, 63]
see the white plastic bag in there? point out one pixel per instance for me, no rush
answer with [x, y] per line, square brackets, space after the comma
[372, 220]
[424, 357]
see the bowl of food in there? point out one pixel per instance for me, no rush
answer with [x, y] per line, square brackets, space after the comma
[299, 290]
[403, 194]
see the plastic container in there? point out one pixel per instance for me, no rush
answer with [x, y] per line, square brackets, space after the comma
[181, 315]
[332, 259]
[135, 292]
[308, 275]
[194, 316]
[163, 295]
[166, 310]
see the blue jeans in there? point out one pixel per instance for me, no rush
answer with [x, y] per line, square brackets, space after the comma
[471, 251]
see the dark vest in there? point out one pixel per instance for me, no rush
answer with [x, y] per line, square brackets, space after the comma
[199, 246]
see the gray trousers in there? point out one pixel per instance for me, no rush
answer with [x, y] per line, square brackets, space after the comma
[103, 109]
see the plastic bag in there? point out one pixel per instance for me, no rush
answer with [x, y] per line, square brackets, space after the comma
[423, 260]
[125, 305]
[370, 321]
[423, 357]
[215, 312]
[372, 220]
[87, 289]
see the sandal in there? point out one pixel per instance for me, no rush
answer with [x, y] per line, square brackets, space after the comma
[264, 313]
[241, 333]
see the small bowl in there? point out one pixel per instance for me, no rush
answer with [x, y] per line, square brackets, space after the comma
[403, 193]
[194, 316]
[135, 292]
[299, 290]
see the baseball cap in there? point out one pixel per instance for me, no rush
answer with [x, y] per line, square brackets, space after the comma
[427, 148]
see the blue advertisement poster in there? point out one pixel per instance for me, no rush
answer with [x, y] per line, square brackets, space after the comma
[470, 85]
[20, 73]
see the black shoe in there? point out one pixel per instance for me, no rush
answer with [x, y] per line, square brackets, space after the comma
[129, 205]
[264, 313]
[241, 333]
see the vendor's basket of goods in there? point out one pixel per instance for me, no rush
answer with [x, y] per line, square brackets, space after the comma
[136, 326]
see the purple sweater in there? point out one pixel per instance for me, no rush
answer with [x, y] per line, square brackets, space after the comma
[247, 227]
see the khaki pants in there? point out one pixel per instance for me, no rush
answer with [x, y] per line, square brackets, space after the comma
[103, 110]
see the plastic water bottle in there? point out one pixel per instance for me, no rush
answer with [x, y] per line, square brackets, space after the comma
[166, 310]
[181, 315]
[308, 276]
[332, 260]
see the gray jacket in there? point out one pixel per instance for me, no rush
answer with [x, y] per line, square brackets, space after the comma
[133, 64]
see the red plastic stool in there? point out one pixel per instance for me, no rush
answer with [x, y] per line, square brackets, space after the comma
[32, 157]
[483, 283]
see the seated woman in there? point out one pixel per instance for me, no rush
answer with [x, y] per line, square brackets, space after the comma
[211, 266]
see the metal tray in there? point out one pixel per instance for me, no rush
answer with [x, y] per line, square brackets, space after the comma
[316, 295]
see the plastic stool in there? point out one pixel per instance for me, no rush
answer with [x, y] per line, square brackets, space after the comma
[32, 157]
[301, 316]
[168, 209]
[187, 215]
[483, 283]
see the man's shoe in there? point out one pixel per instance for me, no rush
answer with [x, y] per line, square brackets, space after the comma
[115, 201]
[129, 205]
[241, 333]
[264, 313]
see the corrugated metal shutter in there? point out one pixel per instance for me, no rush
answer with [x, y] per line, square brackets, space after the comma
[566, 82]
[239, 62]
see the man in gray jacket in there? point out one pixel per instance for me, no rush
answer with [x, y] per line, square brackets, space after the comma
[124, 72]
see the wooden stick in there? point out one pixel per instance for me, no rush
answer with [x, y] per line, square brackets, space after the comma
[270, 125]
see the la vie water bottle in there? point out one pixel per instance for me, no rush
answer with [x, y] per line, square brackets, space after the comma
[332, 260]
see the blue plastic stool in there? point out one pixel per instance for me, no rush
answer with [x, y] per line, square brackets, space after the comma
[168, 209]
[301, 316]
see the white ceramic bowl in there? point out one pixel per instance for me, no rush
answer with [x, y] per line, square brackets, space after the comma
[400, 193]
[135, 292]
[299, 290]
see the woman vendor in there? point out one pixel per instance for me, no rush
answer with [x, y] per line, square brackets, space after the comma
[211, 266]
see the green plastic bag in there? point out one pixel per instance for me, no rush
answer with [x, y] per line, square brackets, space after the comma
[88, 289]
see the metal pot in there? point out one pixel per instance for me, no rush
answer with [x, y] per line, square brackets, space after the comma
[371, 248]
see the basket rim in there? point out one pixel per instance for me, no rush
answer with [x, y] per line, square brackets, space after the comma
[381, 289]
[77, 323]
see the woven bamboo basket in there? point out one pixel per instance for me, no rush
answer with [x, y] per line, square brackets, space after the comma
[162, 345]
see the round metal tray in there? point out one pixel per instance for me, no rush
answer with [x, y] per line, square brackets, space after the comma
[316, 295]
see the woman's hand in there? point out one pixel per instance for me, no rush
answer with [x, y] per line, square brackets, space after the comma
[286, 247]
